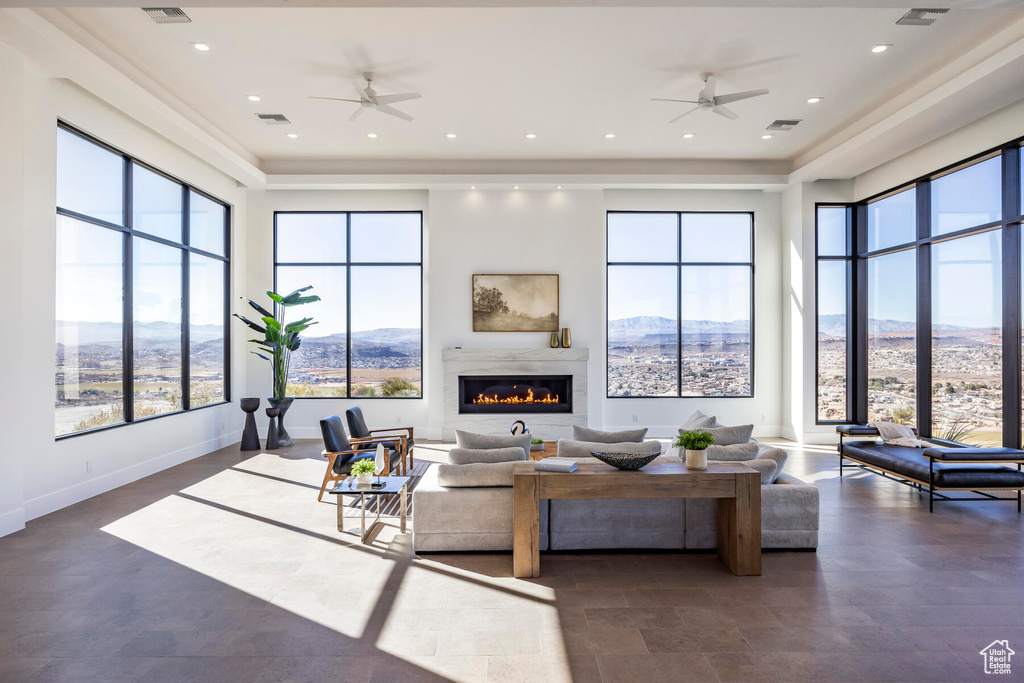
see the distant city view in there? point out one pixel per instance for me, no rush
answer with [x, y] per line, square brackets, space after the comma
[966, 377]
[642, 353]
[385, 362]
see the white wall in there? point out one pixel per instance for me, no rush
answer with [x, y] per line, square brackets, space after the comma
[53, 473]
[530, 231]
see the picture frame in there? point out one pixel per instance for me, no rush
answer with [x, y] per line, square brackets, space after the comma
[515, 302]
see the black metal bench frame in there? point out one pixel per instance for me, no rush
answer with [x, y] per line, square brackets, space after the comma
[934, 492]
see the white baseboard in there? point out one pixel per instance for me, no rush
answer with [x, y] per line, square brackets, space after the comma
[12, 521]
[45, 504]
[671, 431]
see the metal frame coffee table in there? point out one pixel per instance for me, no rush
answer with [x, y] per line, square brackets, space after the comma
[392, 485]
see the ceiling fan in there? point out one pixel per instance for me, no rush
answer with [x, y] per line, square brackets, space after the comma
[369, 99]
[708, 101]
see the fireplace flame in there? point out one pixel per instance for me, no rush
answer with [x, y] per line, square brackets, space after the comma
[529, 398]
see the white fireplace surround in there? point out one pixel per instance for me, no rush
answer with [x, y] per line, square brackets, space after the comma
[476, 361]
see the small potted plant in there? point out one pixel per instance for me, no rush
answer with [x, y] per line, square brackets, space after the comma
[362, 470]
[694, 442]
[536, 444]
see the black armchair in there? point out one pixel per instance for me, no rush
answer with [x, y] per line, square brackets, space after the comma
[396, 438]
[341, 452]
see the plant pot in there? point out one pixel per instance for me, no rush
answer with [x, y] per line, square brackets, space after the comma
[282, 404]
[364, 478]
[697, 460]
[536, 446]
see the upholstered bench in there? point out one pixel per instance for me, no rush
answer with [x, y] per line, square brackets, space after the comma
[936, 469]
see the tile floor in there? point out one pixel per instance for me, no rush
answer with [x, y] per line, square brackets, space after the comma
[227, 569]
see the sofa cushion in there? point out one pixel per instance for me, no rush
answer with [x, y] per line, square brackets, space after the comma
[736, 451]
[698, 421]
[779, 455]
[471, 440]
[475, 474]
[596, 435]
[568, 448]
[467, 456]
[726, 436]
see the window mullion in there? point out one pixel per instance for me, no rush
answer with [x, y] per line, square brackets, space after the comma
[679, 304]
[924, 310]
[128, 349]
[1011, 290]
[186, 293]
[348, 306]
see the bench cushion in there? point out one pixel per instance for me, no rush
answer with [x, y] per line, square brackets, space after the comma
[976, 454]
[909, 462]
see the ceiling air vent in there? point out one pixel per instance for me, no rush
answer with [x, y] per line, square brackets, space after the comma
[784, 124]
[920, 16]
[167, 15]
[273, 119]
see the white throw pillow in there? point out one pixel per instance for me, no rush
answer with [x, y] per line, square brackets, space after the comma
[698, 421]
[468, 456]
[471, 440]
[733, 452]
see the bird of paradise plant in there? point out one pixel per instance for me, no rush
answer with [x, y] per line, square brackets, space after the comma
[279, 338]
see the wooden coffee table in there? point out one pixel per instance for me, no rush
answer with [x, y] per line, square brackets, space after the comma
[736, 486]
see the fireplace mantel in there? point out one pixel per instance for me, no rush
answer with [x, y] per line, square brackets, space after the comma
[514, 361]
[548, 354]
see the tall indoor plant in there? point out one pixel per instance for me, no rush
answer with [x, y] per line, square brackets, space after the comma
[280, 338]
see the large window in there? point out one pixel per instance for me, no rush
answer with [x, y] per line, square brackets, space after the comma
[141, 300]
[934, 290]
[367, 270]
[680, 304]
[833, 299]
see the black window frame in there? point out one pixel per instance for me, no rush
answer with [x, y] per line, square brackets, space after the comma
[129, 234]
[848, 259]
[1011, 224]
[679, 264]
[348, 264]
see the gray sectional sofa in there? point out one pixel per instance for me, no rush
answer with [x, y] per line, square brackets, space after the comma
[466, 504]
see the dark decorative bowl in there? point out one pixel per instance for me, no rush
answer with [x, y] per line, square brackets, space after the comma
[625, 461]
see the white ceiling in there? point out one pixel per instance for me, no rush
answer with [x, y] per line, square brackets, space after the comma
[570, 75]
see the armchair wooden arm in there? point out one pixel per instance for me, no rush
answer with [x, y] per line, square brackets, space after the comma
[405, 446]
[330, 475]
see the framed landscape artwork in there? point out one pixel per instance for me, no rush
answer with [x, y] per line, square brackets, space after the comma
[515, 303]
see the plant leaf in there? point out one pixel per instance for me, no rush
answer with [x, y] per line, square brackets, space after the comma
[272, 323]
[259, 309]
[250, 323]
[300, 300]
[275, 296]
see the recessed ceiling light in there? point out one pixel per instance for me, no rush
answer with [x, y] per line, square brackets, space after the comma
[515, 187]
[879, 48]
[371, 135]
[814, 100]
[254, 98]
[558, 187]
[767, 136]
[450, 135]
[472, 187]
[687, 135]
[202, 47]
[609, 135]
[293, 135]
[530, 136]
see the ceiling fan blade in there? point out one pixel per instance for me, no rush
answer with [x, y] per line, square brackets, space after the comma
[358, 88]
[336, 99]
[385, 109]
[727, 113]
[746, 94]
[689, 111]
[357, 113]
[708, 93]
[662, 99]
[391, 99]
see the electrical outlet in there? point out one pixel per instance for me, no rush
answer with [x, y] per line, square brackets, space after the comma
[636, 418]
[764, 418]
[88, 466]
[398, 419]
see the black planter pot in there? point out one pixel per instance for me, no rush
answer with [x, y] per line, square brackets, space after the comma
[282, 404]
[250, 435]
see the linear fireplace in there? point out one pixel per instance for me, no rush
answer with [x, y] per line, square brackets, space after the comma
[515, 393]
